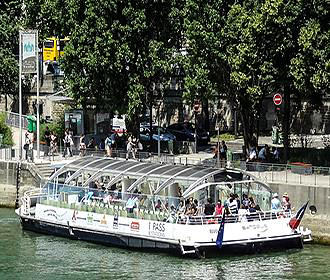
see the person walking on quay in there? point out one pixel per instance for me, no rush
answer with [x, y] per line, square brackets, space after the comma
[67, 143]
[47, 139]
[82, 145]
[109, 142]
[223, 151]
[28, 147]
[53, 145]
[130, 147]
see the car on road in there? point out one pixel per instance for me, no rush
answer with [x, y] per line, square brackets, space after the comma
[163, 134]
[186, 132]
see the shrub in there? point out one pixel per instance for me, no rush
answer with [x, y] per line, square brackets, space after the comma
[6, 131]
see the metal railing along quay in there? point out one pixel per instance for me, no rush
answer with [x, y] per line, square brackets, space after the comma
[268, 172]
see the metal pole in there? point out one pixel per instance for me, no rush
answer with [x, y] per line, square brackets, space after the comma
[218, 152]
[20, 97]
[158, 141]
[38, 113]
[195, 132]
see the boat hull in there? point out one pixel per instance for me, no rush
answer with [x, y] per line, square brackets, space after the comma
[145, 244]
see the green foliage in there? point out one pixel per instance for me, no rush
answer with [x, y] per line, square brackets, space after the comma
[223, 136]
[6, 131]
[10, 12]
[56, 126]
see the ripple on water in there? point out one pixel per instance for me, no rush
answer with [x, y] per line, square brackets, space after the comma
[29, 256]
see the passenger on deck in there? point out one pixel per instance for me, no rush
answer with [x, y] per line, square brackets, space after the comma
[209, 208]
[181, 208]
[172, 217]
[251, 202]
[158, 205]
[245, 201]
[131, 204]
[276, 203]
[233, 206]
[237, 200]
[199, 208]
[286, 204]
[218, 209]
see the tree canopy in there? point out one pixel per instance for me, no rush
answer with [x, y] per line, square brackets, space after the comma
[122, 54]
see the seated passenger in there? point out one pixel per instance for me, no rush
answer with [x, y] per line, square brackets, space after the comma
[158, 205]
[131, 204]
[218, 209]
[181, 208]
[209, 208]
[233, 208]
[172, 217]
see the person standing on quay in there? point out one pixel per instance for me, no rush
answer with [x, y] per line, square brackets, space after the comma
[47, 139]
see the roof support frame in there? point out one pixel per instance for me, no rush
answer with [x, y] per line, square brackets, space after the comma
[118, 176]
[97, 173]
[76, 174]
[196, 183]
[138, 181]
[166, 182]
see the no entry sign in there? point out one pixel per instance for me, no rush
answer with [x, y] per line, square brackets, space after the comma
[277, 98]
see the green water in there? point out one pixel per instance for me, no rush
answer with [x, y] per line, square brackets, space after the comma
[26, 255]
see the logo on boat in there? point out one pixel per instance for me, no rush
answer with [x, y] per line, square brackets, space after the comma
[135, 226]
[104, 220]
[53, 214]
[90, 218]
[115, 221]
[74, 216]
[255, 227]
[156, 229]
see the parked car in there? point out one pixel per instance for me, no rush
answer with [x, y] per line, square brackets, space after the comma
[163, 134]
[186, 132]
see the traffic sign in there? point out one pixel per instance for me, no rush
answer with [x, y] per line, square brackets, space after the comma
[277, 98]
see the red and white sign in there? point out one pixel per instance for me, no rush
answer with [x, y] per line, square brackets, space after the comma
[277, 98]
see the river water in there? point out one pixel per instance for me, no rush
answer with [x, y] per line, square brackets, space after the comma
[26, 255]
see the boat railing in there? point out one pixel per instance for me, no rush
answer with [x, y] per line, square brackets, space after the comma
[234, 218]
[117, 208]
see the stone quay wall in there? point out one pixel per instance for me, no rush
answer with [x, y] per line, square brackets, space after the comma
[8, 173]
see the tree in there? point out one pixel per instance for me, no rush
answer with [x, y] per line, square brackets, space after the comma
[10, 19]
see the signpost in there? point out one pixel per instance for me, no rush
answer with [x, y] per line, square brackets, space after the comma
[196, 110]
[277, 99]
[28, 64]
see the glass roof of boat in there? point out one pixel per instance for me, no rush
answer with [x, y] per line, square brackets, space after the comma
[121, 167]
[115, 166]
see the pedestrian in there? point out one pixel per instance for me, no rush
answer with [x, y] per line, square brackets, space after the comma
[223, 151]
[67, 143]
[130, 147]
[108, 145]
[82, 145]
[47, 140]
[28, 147]
[53, 144]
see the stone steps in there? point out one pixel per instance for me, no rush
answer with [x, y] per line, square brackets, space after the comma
[45, 169]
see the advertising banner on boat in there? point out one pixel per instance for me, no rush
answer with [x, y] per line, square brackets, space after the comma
[247, 230]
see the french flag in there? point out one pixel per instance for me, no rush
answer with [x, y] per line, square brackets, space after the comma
[295, 221]
[220, 231]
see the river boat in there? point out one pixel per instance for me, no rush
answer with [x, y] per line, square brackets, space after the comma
[140, 205]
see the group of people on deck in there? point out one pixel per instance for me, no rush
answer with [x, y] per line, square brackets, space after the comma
[232, 206]
[284, 205]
